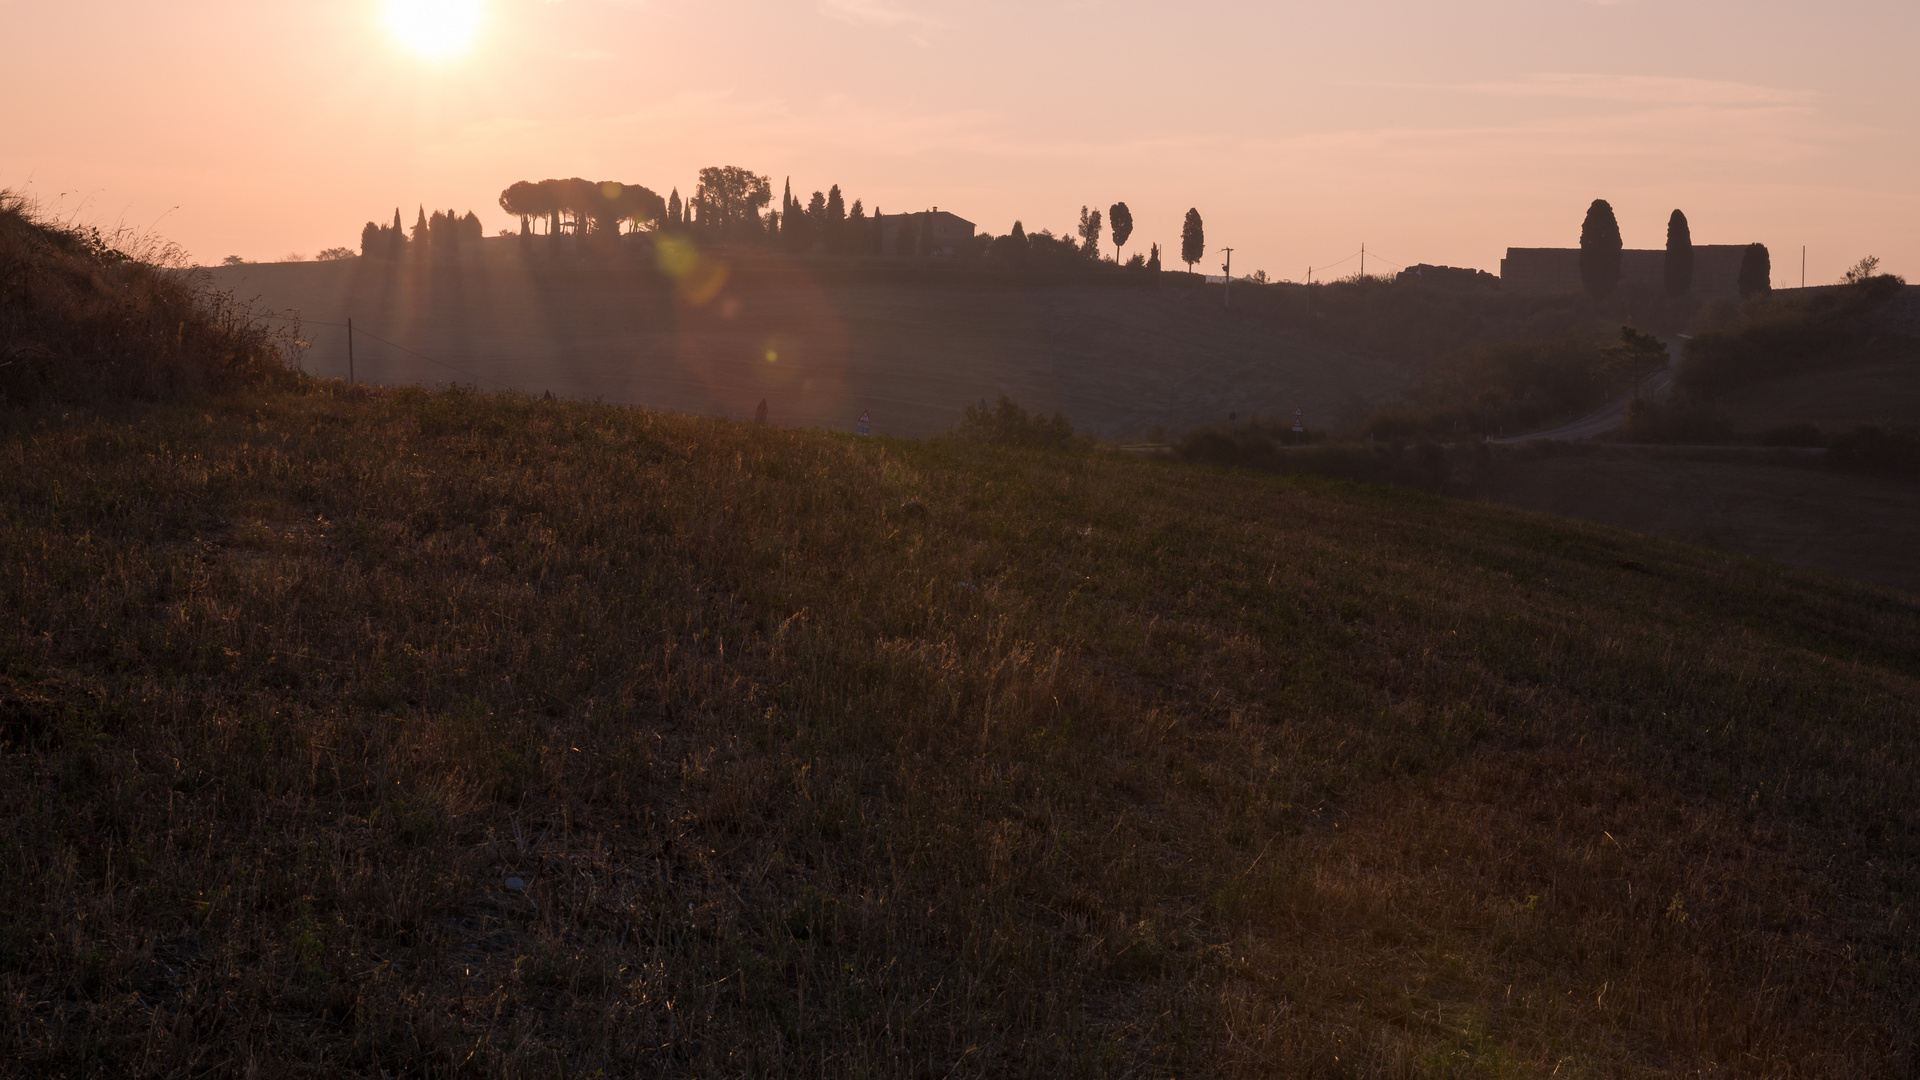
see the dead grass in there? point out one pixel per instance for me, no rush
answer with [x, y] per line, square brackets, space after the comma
[847, 757]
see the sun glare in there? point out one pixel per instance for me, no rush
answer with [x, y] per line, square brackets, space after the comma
[435, 29]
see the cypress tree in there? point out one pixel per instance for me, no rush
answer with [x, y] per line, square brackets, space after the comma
[422, 238]
[1153, 260]
[1193, 239]
[673, 208]
[1599, 250]
[1677, 275]
[370, 242]
[397, 242]
[1756, 271]
[836, 216]
[879, 231]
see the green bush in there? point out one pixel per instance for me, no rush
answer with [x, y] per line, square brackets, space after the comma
[1509, 388]
[1787, 335]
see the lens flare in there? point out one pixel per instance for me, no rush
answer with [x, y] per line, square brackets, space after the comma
[435, 29]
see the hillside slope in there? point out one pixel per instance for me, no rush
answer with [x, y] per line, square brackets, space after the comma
[435, 733]
[1117, 359]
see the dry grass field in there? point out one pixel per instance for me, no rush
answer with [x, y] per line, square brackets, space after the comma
[1763, 504]
[433, 734]
[1118, 359]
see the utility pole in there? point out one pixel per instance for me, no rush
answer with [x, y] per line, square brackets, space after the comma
[1803, 266]
[1363, 258]
[1228, 270]
[350, 350]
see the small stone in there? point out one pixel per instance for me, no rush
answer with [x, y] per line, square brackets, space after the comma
[514, 884]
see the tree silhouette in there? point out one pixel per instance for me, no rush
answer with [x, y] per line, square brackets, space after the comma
[372, 244]
[1120, 220]
[833, 219]
[1090, 232]
[1599, 250]
[731, 199]
[1153, 260]
[1193, 239]
[816, 220]
[422, 239]
[1677, 274]
[1637, 356]
[522, 200]
[674, 209]
[1756, 271]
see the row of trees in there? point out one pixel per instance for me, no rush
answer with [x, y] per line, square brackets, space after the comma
[732, 205]
[442, 234]
[1601, 254]
[582, 206]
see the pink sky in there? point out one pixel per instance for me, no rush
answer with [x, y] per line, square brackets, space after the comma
[1433, 131]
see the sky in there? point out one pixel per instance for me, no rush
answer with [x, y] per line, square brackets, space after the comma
[1437, 131]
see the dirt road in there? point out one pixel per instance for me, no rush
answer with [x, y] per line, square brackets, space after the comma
[1613, 414]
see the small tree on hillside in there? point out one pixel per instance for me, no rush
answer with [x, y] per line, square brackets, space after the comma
[1756, 271]
[1120, 220]
[1677, 275]
[1193, 240]
[1599, 250]
[1153, 260]
[1864, 270]
[1090, 232]
[1637, 356]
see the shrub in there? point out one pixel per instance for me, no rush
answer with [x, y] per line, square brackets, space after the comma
[1512, 387]
[1784, 336]
[81, 319]
[1005, 423]
[1677, 421]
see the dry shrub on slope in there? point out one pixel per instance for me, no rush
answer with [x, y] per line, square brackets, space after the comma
[81, 319]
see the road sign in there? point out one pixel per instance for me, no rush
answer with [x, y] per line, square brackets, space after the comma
[1299, 421]
[865, 429]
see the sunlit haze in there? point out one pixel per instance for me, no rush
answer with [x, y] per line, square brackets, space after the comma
[1432, 132]
[436, 29]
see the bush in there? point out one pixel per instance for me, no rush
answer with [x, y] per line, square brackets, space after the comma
[1677, 421]
[1007, 424]
[1784, 336]
[81, 319]
[1509, 388]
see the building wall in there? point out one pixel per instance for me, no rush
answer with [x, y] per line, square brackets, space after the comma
[949, 232]
[1556, 271]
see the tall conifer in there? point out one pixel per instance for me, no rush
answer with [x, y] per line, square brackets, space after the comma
[1193, 239]
[1599, 250]
[1677, 274]
[1756, 271]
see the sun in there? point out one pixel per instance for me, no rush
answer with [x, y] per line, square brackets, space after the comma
[435, 29]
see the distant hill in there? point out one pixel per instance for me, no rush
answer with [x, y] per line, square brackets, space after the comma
[1119, 356]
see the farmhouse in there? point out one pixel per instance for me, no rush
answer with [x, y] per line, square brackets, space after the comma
[933, 232]
[1556, 271]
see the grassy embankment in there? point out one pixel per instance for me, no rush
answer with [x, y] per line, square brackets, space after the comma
[865, 757]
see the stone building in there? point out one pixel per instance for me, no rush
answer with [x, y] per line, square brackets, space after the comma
[1556, 271]
[938, 232]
